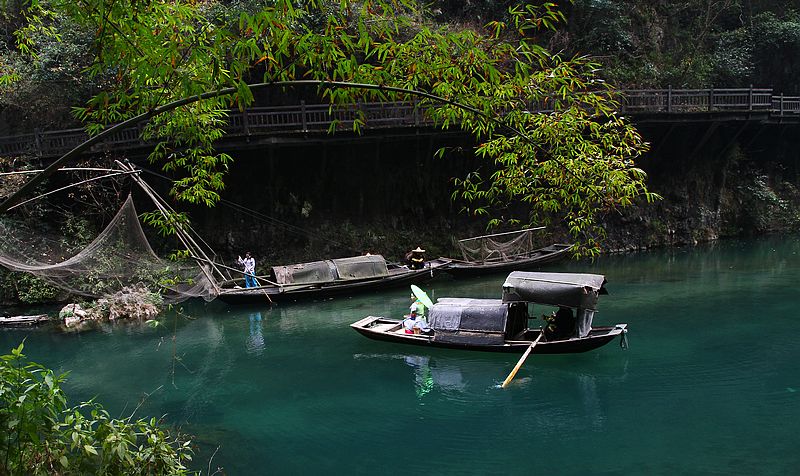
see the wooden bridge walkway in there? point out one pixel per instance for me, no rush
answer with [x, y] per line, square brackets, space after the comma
[293, 123]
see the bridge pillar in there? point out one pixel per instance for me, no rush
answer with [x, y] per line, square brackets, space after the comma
[245, 125]
[710, 99]
[37, 140]
[669, 99]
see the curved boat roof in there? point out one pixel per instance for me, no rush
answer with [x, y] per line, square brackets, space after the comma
[328, 271]
[573, 290]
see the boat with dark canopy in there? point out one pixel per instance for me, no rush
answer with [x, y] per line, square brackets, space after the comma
[504, 252]
[321, 279]
[502, 325]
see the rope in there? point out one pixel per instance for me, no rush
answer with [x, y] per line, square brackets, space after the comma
[265, 218]
[623, 341]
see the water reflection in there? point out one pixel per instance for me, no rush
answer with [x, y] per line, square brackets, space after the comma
[426, 375]
[255, 340]
[459, 381]
[587, 388]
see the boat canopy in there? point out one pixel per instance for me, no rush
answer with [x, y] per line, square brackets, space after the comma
[556, 289]
[469, 321]
[361, 267]
[347, 269]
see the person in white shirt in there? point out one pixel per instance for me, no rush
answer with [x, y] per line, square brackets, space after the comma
[415, 322]
[249, 264]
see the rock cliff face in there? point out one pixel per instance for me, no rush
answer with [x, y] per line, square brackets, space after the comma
[716, 182]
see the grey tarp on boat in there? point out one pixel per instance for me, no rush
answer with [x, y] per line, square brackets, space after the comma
[304, 273]
[361, 267]
[357, 267]
[469, 321]
[572, 290]
[556, 289]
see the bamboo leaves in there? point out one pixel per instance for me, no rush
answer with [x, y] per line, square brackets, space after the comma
[545, 124]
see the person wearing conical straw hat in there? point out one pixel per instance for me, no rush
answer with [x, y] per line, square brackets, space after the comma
[415, 258]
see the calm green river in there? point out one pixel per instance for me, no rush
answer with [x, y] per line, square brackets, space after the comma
[709, 385]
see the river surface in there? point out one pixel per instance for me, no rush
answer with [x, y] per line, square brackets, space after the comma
[710, 383]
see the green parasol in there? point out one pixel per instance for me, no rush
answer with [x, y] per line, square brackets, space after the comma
[420, 294]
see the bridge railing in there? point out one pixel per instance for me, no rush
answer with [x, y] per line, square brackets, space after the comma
[696, 100]
[254, 121]
[322, 117]
[786, 105]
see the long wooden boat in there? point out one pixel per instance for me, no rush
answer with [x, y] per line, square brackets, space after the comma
[391, 330]
[498, 263]
[502, 325]
[23, 321]
[322, 279]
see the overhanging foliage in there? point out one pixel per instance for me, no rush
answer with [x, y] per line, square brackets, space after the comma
[573, 163]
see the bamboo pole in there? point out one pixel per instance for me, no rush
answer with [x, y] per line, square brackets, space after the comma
[521, 361]
[505, 233]
[181, 233]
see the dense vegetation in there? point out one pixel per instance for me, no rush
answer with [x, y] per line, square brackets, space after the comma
[199, 46]
[42, 433]
[689, 43]
[183, 65]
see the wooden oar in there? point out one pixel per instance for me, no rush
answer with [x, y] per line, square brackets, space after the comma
[265, 291]
[521, 360]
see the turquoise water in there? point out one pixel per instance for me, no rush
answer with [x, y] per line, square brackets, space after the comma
[709, 385]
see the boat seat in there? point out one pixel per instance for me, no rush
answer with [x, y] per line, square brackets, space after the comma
[384, 327]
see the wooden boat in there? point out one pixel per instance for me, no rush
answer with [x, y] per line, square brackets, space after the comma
[502, 325]
[504, 252]
[321, 279]
[22, 321]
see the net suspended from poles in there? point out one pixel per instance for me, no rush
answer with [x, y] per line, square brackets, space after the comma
[120, 256]
[499, 247]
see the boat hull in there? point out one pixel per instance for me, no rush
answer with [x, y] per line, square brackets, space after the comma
[268, 294]
[389, 330]
[23, 321]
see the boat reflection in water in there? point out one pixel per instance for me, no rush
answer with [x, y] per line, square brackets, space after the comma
[428, 375]
[446, 377]
[459, 382]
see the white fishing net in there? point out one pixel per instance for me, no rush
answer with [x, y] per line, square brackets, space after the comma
[119, 257]
[499, 247]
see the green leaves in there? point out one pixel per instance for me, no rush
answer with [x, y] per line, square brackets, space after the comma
[40, 434]
[545, 124]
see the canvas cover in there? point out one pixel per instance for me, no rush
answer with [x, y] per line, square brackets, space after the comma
[305, 273]
[361, 267]
[469, 321]
[347, 269]
[557, 289]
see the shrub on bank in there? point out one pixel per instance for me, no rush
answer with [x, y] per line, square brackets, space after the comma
[41, 434]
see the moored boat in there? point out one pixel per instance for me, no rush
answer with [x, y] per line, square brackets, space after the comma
[23, 321]
[502, 325]
[504, 252]
[321, 279]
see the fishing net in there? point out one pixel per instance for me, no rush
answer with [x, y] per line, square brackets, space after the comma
[119, 257]
[499, 247]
